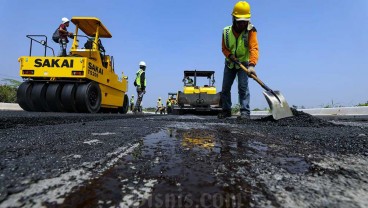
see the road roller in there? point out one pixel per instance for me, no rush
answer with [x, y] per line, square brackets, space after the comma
[83, 81]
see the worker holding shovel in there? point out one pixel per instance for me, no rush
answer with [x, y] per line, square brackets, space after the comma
[239, 44]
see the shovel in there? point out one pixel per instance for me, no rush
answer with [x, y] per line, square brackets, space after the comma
[277, 102]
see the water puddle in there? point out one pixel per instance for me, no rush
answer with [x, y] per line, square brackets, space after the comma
[259, 146]
[171, 168]
[293, 165]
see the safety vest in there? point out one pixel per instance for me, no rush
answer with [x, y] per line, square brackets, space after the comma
[168, 103]
[238, 46]
[138, 78]
[159, 103]
[131, 100]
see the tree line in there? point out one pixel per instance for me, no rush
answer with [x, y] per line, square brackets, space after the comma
[8, 90]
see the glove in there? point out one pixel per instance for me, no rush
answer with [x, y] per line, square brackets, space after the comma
[251, 70]
[233, 58]
[70, 35]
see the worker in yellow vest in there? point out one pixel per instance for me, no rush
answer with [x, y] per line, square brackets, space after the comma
[239, 44]
[140, 83]
[168, 105]
[132, 103]
[159, 105]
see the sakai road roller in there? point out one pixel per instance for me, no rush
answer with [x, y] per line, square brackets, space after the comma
[84, 81]
[196, 98]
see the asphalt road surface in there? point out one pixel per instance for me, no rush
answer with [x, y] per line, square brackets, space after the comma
[106, 160]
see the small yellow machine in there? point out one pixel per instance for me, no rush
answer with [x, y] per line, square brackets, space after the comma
[84, 81]
[196, 98]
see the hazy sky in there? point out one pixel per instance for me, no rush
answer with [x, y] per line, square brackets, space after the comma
[313, 51]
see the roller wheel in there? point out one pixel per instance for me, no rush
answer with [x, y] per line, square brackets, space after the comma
[53, 97]
[24, 96]
[67, 97]
[88, 97]
[124, 109]
[38, 97]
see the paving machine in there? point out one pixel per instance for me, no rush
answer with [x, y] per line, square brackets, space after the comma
[84, 81]
[195, 98]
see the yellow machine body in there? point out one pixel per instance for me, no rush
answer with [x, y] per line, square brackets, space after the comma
[195, 90]
[76, 69]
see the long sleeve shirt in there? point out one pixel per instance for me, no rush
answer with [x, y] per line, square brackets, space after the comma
[253, 46]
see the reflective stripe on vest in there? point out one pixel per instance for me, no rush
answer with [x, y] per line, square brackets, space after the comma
[138, 78]
[237, 46]
[131, 100]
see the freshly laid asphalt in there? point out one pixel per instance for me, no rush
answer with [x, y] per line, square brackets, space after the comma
[107, 160]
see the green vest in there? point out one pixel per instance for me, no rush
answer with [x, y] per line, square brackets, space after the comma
[138, 78]
[159, 103]
[238, 46]
[131, 100]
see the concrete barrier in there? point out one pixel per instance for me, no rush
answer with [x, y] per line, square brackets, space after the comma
[348, 113]
[10, 106]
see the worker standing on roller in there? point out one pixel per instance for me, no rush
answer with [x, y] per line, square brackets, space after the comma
[140, 83]
[239, 44]
[63, 36]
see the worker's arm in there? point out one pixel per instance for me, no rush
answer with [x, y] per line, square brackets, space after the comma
[253, 47]
[63, 30]
[143, 77]
[225, 50]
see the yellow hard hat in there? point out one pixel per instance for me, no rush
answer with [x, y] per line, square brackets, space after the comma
[241, 11]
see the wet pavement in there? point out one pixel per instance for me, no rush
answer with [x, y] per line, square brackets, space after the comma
[181, 161]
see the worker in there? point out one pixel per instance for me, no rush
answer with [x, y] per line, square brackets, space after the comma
[101, 48]
[158, 105]
[189, 81]
[168, 105]
[132, 103]
[140, 83]
[239, 44]
[63, 36]
[162, 109]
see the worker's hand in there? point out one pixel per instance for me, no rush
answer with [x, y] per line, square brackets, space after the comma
[233, 58]
[70, 35]
[251, 71]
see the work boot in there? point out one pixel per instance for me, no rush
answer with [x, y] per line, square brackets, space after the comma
[224, 114]
[243, 116]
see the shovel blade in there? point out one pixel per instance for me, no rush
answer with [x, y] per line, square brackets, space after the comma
[279, 107]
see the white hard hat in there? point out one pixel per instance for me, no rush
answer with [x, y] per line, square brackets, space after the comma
[132, 95]
[159, 98]
[142, 63]
[64, 20]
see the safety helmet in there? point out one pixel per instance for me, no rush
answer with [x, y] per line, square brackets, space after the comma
[64, 20]
[142, 63]
[159, 98]
[132, 95]
[241, 11]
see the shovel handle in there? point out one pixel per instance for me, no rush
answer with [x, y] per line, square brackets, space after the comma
[254, 77]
